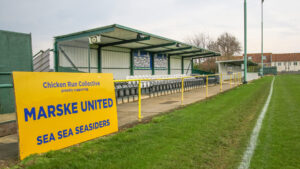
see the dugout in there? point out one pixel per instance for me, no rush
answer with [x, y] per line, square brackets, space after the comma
[124, 51]
[229, 67]
[233, 66]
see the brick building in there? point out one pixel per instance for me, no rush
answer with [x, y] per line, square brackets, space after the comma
[256, 58]
[285, 62]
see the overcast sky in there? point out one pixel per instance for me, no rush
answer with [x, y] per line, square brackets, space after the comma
[175, 19]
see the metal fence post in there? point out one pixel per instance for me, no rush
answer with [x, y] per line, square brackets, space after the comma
[241, 77]
[140, 101]
[230, 80]
[234, 79]
[221, 79]
[206, 85]
[182, 89]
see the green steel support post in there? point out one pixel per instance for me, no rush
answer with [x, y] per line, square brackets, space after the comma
[89, 59]
[56, 59]
[182, 65]
[245, 41]
[152, 63]
[262, 39]
[99, 60]
[131, 63]
[169, 65]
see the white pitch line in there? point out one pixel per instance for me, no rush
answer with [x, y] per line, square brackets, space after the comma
[245, 163]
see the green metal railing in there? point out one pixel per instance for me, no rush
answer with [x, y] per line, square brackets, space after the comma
[200, 72]
[270, 70]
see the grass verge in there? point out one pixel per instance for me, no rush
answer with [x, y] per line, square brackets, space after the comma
[279, 141]
[209, 134]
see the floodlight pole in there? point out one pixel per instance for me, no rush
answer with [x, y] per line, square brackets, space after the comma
[245, 41]
[262, 39]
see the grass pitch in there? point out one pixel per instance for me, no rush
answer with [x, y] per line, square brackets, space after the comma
[279, 141]
[208, 134]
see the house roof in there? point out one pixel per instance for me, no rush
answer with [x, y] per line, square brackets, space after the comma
[286, 57]
[270, 57]
[256, 57]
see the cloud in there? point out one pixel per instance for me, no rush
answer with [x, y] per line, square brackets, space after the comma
[174, 19]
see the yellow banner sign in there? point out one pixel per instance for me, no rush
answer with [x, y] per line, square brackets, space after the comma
[57, 110]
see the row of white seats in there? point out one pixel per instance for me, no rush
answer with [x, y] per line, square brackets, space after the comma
[155, 76]
[148, 83]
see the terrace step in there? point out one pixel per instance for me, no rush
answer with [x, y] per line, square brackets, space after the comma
[8, 124]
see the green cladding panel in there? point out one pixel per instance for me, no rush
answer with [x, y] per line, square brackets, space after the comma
[15, 55]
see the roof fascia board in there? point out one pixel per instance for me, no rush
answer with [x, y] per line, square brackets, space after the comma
[208, 56]
[155, 46]
[125, 41]
[202, 54]
[143, 43]
[181, 53]
[205, 56]
[83, 34]
[172, 50]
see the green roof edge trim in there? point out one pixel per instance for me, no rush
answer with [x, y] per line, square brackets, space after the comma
[86, 31]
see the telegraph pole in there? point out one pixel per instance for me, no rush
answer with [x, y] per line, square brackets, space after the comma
[245, 41]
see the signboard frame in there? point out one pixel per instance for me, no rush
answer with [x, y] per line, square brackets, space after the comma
[70, 108]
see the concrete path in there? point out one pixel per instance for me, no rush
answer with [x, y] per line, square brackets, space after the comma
[127, 115]
[8, 150]
[7, 117]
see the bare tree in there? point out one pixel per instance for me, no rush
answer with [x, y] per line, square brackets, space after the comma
[213, 46]
[227, 45]
[207, 64]
[201, 40]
